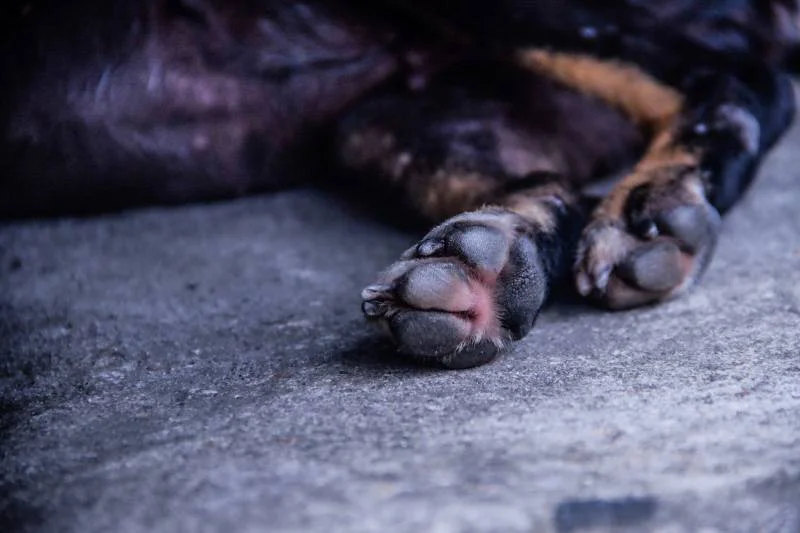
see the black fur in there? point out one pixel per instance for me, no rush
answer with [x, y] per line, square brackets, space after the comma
[80, 129]
[107, 105]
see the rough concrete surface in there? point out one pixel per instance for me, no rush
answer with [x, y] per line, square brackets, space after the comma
[206, 369]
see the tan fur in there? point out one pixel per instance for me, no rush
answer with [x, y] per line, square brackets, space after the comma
[521, 156]
[644, 99]
[534, 210]
[650, 104]
[447, 194]
[536, 204]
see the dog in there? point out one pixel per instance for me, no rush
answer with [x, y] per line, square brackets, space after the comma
[489, 120]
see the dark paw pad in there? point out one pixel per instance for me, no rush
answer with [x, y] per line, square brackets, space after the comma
[461, 294]
[663, 246]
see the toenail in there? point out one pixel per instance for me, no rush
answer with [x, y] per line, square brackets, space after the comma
[601, 281]
[372, 308]
[428, 248]
[373, 291]
[583, 284]
[649, 230]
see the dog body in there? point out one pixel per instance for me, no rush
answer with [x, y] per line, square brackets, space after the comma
[488, 121]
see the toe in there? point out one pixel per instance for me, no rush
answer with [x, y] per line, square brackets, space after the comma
[621, 295]
[694, 226]
[437, 285]
[522, 289]
[655, 267]
[484, 248]
[428, 333]
[443, 337]
[480, 246]
[473, 354]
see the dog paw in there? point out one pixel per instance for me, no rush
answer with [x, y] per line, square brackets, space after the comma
[464, 292]
[660, 248]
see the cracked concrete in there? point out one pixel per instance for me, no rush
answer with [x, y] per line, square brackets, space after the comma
[206, 369]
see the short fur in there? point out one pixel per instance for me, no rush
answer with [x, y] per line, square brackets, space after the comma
[488, 121]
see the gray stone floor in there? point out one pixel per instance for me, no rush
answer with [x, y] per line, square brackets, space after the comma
[206, 368]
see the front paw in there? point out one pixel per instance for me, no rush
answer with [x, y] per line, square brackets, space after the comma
[461, 294]
[660, 247]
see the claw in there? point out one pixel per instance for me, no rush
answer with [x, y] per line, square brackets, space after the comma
[429, 248]
[650, 230]
[374, 292]
[583, 284]
[601, 278]
[373, 309]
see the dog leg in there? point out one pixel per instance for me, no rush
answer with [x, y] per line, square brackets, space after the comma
[654, 234]
[508, 217]
[477, 281]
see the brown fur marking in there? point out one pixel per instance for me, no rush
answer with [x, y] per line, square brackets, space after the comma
[648, 102]
[651, 104]
[536, 204]
[448, 193]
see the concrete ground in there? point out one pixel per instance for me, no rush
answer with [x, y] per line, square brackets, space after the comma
[206, 369]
